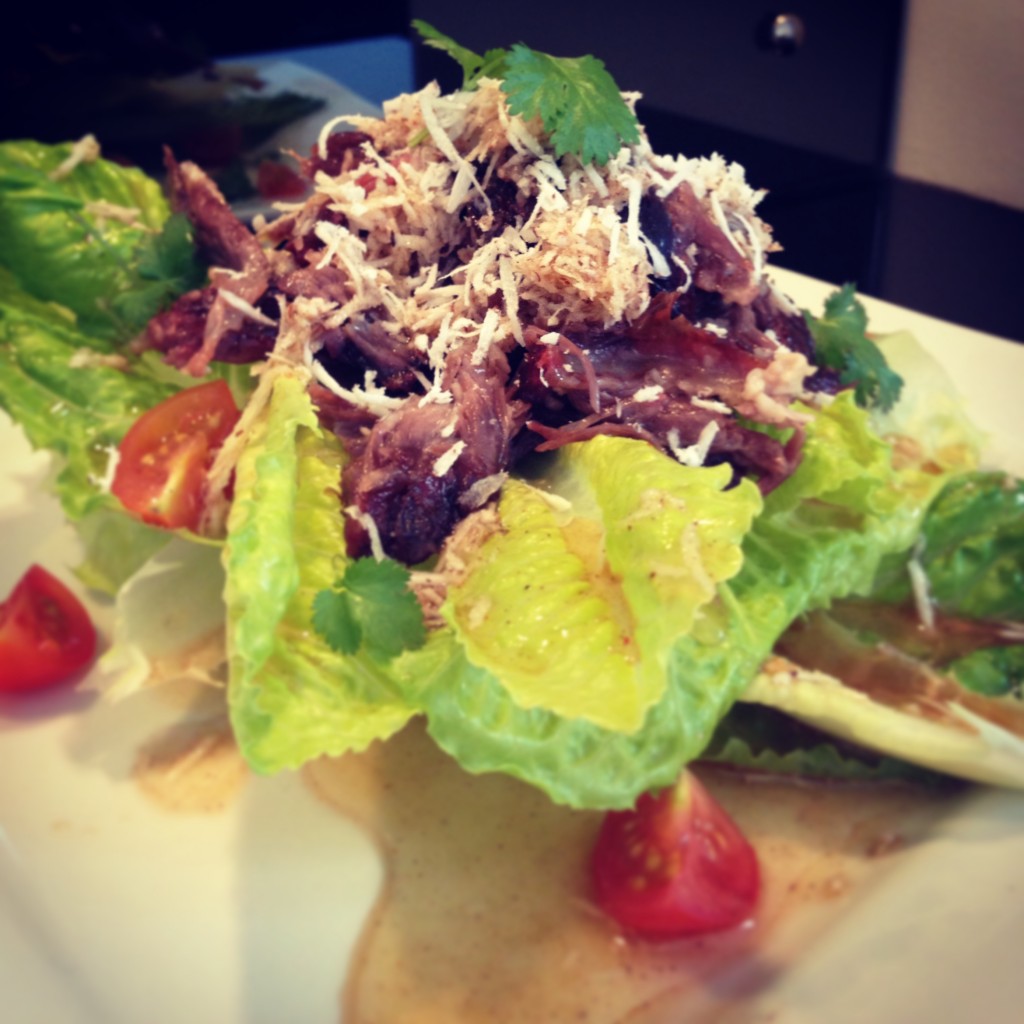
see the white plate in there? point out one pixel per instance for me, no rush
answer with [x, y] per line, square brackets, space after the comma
[112, 910]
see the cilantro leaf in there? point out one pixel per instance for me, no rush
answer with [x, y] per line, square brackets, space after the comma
[474, 67]
[167, 267]
[842, 344]
[370, 607]
[576, 99]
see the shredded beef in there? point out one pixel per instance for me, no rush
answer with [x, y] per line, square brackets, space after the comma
[221, 238]
[204, 325]
[395, 479]
[716, 265]
[674, 376]
[178, 332]
[580, 388]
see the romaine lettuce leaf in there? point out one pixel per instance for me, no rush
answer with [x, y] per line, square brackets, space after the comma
[88, 257]
[57, 383]
[292, 697]
[761, 739]
[576, 607]
[96, 239]
[978, 749]
[822, 534]
[972, 546]
[992, 671]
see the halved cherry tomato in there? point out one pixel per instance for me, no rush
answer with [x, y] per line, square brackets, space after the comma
[675, 865]
[163, 459]
[46, 636]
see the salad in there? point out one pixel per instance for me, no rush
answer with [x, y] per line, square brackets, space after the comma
[504, 427]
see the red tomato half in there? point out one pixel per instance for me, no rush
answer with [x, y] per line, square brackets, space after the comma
[675, 865]
[46, 636]
[163, 459]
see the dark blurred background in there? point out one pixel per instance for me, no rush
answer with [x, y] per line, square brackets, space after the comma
[804, 96]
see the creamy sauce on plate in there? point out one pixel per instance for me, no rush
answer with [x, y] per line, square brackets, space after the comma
[484, 916]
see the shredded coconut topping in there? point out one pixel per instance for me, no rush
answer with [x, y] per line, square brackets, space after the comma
[575, 253]
[85, 150]
[694, 454]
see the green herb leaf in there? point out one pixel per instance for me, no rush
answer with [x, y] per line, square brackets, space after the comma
[474, 67]
[169, 266]
[371, 607]
[842, 344]
[576, 99]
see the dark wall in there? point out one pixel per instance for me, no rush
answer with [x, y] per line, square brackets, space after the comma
[830, 89]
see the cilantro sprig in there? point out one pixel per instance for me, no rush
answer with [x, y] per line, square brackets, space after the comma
[167, 266]
[575, 98]
[371, 608]
[842, 344]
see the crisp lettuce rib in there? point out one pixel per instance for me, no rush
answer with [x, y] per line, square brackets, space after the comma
[291, 697]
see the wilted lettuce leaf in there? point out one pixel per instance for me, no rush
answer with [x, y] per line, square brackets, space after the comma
[931, 415]
[116, 545]
[169, 621]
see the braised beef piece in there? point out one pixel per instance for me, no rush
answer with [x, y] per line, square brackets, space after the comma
[348, 352]
[588, 385]
[413, 499]
[203, 325]
[716, 265]
[221, 238]
[178, 333]
[330, 283]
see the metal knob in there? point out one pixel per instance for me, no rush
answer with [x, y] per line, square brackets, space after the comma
[784, 33]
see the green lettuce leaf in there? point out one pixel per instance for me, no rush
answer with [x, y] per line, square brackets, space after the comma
[291, 696]
[822, 534]
[577, 609]
[80, 412]
[761, 739]
[972, 547]
[992, 671]
[98, 239]
[88, 257]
